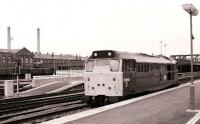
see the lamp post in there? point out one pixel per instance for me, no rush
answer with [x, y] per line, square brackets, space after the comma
[193, 12]
[54, 64]
[18, 65]
[18, 79]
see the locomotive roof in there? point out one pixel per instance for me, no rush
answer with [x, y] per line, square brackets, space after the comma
[139, 57]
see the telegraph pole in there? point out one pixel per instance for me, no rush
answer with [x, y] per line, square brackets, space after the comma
[160, 47]
[165, 45]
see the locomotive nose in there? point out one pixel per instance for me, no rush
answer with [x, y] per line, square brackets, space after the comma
[103, 84]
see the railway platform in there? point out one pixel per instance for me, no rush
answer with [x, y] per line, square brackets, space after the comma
[169, 106]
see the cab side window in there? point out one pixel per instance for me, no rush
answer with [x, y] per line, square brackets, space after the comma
[128, 65]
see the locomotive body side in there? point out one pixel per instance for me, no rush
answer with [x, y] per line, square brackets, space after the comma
[154, 76]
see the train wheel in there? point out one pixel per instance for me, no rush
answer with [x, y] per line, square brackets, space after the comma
[97, 101]
[91, 102]
[100, 101]
[106, 101]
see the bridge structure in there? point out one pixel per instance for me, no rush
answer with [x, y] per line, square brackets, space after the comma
[184, 62]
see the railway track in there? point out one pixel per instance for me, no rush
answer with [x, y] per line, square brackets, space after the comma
[46, 111]
[13, 106]
[26, 108]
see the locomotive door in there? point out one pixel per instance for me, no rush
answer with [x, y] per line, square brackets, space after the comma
[128, 76]
[133, 75]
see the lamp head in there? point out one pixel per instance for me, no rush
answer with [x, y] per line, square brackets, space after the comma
[190, 9]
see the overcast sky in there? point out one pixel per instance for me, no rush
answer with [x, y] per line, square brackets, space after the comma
[81, 26]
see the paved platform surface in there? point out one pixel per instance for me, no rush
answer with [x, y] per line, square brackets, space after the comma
[169, 107]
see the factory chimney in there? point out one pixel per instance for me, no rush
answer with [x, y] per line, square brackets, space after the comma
[38, 40]
[8, 39]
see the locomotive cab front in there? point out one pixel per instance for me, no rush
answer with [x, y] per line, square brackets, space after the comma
[103, 77]
[108, 76]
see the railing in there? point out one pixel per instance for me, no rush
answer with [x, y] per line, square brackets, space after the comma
[188, 75]
[46, 76]
[59, 74]
[69, 72]
[63, 76]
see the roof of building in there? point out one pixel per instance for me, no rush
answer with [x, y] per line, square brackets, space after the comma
[64, 57]
[21, 51]
[10, 51]
[44, 56]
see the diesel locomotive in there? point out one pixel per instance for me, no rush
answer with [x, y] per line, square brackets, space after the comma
[112, 75]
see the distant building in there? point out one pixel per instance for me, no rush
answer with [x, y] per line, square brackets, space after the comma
[59, 62]
[22, 61]
[9, 59]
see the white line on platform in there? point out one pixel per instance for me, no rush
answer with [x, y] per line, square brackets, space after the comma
[108, 107]
[195, 118]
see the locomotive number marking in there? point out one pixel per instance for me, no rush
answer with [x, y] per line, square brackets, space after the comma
[126, 84]
[126, 79]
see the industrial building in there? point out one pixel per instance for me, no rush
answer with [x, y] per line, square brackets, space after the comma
[21, 61]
